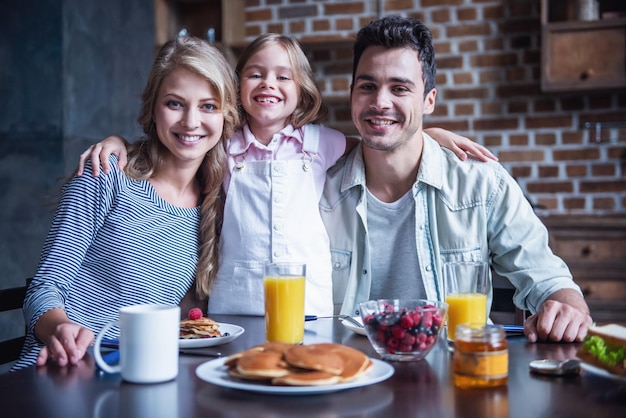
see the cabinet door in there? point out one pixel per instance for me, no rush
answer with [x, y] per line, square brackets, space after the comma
[594, 248]
[585, 58]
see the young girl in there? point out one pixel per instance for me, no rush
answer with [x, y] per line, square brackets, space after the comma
[132, 237]
[276, 171]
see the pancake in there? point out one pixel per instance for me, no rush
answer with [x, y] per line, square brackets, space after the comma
[273, 346]
[298, 365]
[231, 360]
[314, 357]
[234, 373]
[355, 362]
[261, 364]
[199, 328]
[306, 378]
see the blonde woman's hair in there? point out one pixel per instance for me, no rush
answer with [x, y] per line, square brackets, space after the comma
[311, 108]
[145, 157]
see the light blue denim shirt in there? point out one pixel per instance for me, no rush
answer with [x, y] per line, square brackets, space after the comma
[465, 211]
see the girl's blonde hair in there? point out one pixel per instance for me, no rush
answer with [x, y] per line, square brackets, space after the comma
[145, 157]
[311, 108]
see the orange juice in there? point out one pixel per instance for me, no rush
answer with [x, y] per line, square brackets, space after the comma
[465, 308]
[284, 308]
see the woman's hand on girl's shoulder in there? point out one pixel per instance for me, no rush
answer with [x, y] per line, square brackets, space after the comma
[99, 155]
[460, 145]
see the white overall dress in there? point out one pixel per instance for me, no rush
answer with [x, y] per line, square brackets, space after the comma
[271, 215]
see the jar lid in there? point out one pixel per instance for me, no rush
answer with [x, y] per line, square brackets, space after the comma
[479, 332]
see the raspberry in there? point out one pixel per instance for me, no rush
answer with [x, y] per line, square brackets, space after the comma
[408, 339]
[405, 348]
[398, 332]
[195, 313]
[392, 343]
[406, 321]
[427, 319]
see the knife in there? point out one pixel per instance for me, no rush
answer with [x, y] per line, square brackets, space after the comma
[200, 352]
[513, 328]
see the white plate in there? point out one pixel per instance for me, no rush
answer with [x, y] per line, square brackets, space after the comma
[597, 370]
[234, 331]
[354, 328]
[215, 372]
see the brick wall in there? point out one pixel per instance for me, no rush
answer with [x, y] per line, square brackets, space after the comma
[488, 81]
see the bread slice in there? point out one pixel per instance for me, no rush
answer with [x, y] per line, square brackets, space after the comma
[614, 336]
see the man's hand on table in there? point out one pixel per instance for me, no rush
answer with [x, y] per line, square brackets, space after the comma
[563, 317]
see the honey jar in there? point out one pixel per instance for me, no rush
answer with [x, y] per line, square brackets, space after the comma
[481, 356]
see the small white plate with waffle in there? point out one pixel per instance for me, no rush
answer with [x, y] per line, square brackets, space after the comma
[229, 332]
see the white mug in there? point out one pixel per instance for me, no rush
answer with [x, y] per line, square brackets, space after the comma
[148, 343]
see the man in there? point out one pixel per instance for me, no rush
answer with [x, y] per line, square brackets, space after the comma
[399, 206]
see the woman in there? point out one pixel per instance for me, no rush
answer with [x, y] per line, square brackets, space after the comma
[134, 237]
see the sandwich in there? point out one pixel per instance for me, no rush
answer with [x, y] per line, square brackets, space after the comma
[605, 347]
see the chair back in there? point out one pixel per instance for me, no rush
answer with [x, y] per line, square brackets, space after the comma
[12, 299]
[503, 310]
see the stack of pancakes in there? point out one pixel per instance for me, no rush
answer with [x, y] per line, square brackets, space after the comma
[299, 365]
[199, 328]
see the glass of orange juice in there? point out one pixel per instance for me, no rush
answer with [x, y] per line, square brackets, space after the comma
[284, 302]
[466, 293]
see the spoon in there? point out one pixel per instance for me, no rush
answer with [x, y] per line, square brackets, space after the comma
[555, 367]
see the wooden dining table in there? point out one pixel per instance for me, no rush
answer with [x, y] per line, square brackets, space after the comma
[416, 389]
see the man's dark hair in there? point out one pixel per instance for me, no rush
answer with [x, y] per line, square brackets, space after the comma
[399, 32]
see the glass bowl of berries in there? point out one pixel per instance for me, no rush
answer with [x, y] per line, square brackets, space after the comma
[403, 330]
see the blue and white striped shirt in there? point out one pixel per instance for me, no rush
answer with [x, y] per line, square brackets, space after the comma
[113, 242]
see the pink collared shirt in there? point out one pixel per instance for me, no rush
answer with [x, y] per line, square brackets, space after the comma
[285, 145]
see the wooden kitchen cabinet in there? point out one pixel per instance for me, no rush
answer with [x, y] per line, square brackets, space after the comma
[225, 17]
[594, 248]
[581, 54]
